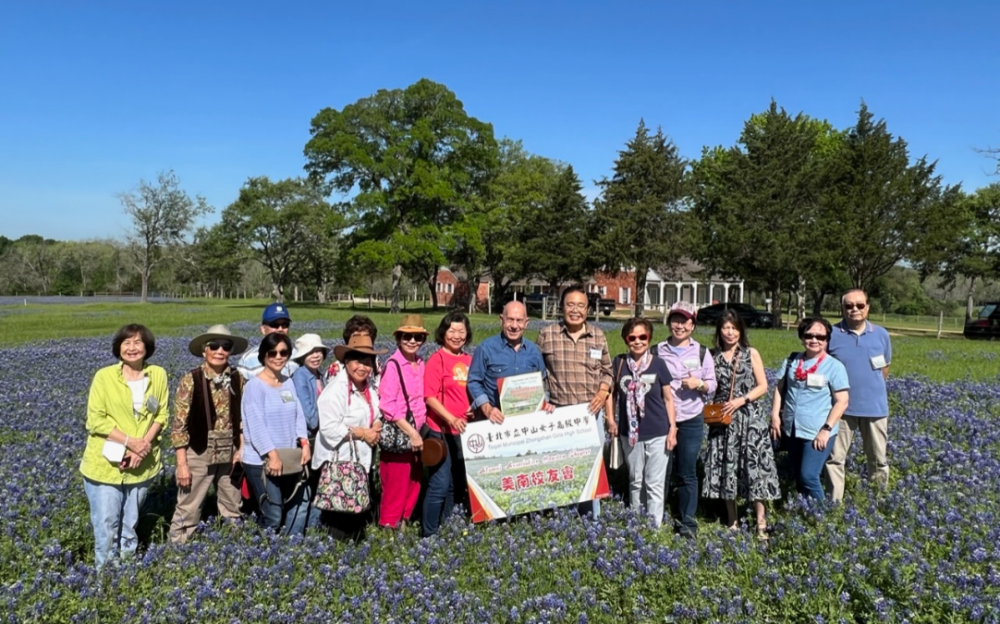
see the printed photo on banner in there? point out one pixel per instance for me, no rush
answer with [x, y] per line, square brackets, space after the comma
[534, 462]
[521, 394]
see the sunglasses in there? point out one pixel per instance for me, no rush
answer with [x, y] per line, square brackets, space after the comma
[820, 337]
[640, 338]
[225, 345]
[408, 337]
[851, 306]
[275, 353]
[279, 325]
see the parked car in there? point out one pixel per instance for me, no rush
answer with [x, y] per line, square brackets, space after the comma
[987, 325]
[605, 306]
[709, 315]
[533, 302]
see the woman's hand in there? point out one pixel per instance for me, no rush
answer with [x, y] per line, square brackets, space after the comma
[306, 452]
[416, 442]
[775, 428]
[183, 476]
[139, 446]
[457, 424]
[819, 442]
[237, 456]
[672, 439]
[731, 406]
[612, 427]
[274, 467]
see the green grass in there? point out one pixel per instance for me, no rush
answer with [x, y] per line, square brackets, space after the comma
[943, 360]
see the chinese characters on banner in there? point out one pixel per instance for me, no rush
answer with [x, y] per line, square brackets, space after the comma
[531, 462]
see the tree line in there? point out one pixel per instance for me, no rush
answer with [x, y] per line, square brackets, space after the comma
[405, 181]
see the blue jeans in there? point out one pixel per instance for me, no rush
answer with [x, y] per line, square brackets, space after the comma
[289, 517]
[807, 463]
[114, 514]
[439, 498]
[690, 434]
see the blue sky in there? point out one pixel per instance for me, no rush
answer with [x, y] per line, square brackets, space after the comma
[98, 95]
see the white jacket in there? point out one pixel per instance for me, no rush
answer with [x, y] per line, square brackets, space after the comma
[341, 406]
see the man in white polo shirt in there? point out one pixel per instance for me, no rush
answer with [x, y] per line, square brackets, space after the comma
[866, 352]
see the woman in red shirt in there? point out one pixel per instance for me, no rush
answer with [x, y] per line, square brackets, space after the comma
[447, 413]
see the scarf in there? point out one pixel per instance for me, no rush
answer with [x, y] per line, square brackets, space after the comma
[635, 395]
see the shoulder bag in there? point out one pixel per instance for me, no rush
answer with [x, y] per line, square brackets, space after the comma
[392, 439]
[343, 485]
[714, 416]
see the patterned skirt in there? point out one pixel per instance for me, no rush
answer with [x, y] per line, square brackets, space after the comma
[739, 462]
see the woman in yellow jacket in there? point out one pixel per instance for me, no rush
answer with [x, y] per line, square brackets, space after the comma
[126, 411]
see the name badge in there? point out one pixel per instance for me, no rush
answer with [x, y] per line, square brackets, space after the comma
[878, 362]
[152, 404]
[692, 364]
[595, 354]
[286, 396]
[816, 380]
[648, 378]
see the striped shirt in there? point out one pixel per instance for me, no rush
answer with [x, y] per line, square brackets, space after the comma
[577, 368]
[272, 418]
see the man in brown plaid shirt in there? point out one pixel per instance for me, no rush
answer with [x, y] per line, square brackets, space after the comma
[576, 357]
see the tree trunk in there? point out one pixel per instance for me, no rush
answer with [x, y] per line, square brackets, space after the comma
[145, 285]
[971, 301]
[397, 275]
[278, 292]
[432, 285]
[320, 293]
[776, 306]
[818, 298]
[640, 289]
[800, 299]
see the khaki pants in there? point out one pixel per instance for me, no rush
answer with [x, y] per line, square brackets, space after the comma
[190, 501]
[874, 436]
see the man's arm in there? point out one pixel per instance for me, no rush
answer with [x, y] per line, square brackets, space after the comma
[476, 381]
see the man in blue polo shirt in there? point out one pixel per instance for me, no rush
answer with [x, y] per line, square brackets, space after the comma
[502, 356]
[866, 352]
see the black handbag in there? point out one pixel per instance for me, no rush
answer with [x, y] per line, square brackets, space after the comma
[392, 439]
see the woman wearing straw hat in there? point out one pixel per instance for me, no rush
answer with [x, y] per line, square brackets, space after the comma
[206, 430]
[401, 393]
[348, 416]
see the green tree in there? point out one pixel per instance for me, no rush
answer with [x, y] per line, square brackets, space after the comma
[760, 204]
[973, 252]
[278, 222]
[414, 160]
[162, 216]
[638, 217]
[887, 209]
[556, 247]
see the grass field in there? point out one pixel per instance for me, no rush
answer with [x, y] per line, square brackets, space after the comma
[945, 360]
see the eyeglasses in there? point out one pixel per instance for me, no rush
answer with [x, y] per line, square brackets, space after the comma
[851, 306]
[575, 306]
[640, 338]
[274, 353]
[408, 337]
[279, 325]
[820, 337]
[225, 345]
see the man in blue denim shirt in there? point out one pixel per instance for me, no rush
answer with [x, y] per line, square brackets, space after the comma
[502, 356]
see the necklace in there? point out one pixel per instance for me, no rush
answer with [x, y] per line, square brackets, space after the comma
[802, 375]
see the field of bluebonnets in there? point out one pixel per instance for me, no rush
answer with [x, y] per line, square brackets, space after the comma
[926, 550]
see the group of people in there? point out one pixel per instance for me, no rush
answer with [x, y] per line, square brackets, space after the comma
[263, 431]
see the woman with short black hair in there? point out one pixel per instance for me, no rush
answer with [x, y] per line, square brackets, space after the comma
[126, 410]
[274, 425]
[811, 397]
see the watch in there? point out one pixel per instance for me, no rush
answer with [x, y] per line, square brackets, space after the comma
[826, 427]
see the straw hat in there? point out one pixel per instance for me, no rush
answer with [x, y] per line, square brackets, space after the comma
[411, 324]
[362, 343]
[307, 343]
[216, 332]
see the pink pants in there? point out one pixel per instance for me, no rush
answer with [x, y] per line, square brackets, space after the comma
[401, 474]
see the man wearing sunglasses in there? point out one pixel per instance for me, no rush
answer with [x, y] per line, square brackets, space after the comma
[866, 352]
[274, 320]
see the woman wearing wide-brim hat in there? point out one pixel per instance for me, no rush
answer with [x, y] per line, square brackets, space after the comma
[348, 420]
[206, 430]
[401, 393]
[308, 378]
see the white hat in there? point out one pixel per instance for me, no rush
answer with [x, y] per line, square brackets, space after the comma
[307, 343]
